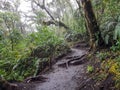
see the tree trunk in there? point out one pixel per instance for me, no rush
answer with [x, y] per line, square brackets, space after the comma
[93, 28]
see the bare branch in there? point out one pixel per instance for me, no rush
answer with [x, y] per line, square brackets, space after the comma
[55, 22]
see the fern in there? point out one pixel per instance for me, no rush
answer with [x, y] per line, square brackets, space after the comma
[117, 32]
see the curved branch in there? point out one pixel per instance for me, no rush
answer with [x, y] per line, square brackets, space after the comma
[55, 22]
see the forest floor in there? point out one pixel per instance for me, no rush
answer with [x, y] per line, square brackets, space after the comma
[63, 75]
[68, 73]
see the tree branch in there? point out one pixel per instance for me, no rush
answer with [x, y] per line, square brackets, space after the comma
[55, 22]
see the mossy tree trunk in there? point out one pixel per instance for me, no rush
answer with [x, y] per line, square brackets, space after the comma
[96, 40]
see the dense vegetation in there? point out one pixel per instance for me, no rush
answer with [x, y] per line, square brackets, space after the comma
[109, 20]
[28, 42]
[17, 50]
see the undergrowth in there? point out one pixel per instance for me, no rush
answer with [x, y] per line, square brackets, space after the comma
[108, 63]
[17, 60]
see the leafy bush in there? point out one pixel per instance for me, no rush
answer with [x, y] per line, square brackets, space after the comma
[116, 47]
[102, 55]
[10, 58]
[90, 69]
[108, 16]
[47, 42]
[115, 70]
[19, 63]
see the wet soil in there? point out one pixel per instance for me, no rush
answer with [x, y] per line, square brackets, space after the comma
[69, 73]
[66, 77]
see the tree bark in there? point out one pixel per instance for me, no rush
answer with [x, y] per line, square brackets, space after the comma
[96, 39]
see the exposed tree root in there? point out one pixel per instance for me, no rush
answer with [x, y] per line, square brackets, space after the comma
[76, 60]
[39, 78]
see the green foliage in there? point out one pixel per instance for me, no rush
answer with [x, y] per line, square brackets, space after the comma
[9, 20]
[9, 58]
[117, 74]
[45, 37]
[107, 13]
[117, 31]
[77, 25]
[116, 47]
[90, 69]
[16, 62]
[102, 55]
[115, 70]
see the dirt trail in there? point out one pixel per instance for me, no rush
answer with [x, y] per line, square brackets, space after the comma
[63, 78]
[68, 73]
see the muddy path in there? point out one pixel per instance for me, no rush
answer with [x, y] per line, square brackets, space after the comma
[62, 77]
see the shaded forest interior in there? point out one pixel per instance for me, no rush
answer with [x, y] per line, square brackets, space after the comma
[35, 34]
